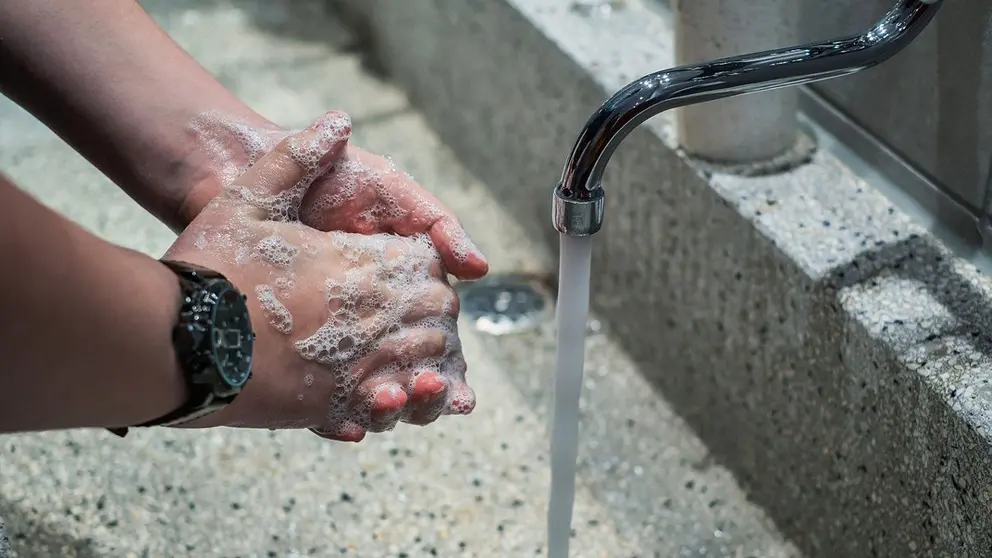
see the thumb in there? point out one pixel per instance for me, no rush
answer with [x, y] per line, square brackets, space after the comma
[276, 184]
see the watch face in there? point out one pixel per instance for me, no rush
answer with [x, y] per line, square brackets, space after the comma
[233, 339]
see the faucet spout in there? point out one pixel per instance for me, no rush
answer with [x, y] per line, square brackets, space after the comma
[579, 199]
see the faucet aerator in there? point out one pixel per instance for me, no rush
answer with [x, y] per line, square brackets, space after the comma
[576, 215]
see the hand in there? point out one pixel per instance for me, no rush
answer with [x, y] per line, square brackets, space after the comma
[362, 192]
[356, 332]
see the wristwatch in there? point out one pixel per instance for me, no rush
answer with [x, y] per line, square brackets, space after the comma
[213, 339]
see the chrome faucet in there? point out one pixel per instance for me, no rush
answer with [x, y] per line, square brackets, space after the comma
[579, 199]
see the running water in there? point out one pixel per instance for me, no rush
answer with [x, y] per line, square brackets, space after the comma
[572, 313]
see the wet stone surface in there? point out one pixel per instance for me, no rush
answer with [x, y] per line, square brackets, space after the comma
[465, 487]
[501, 304]
[827, 348]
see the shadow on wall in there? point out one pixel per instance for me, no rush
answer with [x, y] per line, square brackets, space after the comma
[921, 450]
[30, 537]
[918, 260]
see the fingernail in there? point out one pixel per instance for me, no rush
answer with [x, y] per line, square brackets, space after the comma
[345, 432]
[463, 248]
[471, 248]
[389, 400]
[430, 386]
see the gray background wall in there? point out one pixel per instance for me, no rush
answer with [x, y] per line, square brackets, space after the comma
[933, 102]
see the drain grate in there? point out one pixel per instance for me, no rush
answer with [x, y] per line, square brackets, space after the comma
[505, 304]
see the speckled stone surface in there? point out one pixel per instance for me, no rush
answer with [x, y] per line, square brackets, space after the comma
[4, 541]
[827, 349]
[472, 486]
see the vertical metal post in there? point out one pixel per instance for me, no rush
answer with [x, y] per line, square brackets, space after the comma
[747, 129]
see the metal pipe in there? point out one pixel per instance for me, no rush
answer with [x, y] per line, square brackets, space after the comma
[578, 200]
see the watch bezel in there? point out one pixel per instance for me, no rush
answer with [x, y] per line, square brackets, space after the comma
[225, 382]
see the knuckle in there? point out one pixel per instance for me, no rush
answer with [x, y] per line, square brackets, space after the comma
[444, 295]
[422, 343]
[395, 347]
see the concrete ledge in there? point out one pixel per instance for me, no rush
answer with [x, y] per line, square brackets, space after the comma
[4, 541]
[828, 349]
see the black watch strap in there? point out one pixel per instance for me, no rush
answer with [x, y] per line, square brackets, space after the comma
[203, 396]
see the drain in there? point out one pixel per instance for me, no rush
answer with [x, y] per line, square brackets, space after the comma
[505, 304]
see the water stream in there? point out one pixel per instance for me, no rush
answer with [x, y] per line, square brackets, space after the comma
[572, 313]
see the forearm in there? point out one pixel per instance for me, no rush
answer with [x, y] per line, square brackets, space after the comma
[112, 84]
[86, 336]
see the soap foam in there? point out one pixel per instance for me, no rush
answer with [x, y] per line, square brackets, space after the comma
[382, 198]
[369, 300]
[364, 316]
[201, 240]
[274, 309]
[277, 251]
[230, 146]
[285, 283]
[462, 247]
[357, 177]
[284, 206]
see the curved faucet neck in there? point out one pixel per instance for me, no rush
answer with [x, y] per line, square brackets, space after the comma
[580, 184]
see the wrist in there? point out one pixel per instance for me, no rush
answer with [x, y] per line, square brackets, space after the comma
[214, 153]
[213, 341]
[158, 385]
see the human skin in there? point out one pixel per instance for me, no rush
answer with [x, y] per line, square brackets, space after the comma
[117, 367]
[112, 84]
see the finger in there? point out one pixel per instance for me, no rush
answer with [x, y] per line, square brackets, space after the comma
[384, 402]
[460, 255]
[461, 397]
[461, 400]
[405, 347]
[278, 181]
[420, 212]
[376, 197]
[429, 399]
[347, 431]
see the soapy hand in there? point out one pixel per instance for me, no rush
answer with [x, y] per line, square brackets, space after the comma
[362, 192]
[356, 331]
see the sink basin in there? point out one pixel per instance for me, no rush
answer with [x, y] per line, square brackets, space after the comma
[466, 486]
[822, 341]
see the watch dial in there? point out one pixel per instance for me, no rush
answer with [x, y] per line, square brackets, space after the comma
[233, 339]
